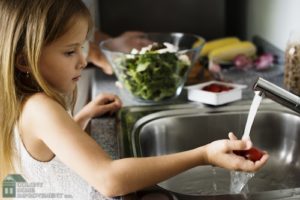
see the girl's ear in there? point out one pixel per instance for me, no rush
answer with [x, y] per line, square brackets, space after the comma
[21, 63]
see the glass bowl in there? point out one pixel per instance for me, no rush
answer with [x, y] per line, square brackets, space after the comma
[157, 72]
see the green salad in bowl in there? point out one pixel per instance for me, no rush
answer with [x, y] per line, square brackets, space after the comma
[155, 72]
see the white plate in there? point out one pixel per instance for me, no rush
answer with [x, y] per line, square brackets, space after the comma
[195, 93]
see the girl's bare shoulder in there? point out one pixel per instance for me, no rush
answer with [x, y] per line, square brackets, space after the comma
[40, 102]
[40, 107]
[38, 98]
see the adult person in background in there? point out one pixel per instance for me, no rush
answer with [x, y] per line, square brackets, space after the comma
[94, 54]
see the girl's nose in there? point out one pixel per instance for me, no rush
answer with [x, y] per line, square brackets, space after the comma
[82, 63]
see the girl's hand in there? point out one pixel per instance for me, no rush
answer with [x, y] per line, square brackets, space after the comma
[96, 57]
[132, 39]
[220, 153]
[102, 104]
[125, 43]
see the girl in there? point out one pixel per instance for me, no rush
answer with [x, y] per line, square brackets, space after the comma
[40, 61]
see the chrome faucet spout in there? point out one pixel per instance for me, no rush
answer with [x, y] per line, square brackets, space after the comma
[277, 94]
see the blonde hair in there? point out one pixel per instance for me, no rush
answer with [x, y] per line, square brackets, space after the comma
[26, 27]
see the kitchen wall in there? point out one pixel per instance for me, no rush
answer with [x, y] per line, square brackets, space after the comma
[272, 20]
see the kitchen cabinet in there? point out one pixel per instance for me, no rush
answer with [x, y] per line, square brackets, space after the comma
[271, 20]
[203, 17]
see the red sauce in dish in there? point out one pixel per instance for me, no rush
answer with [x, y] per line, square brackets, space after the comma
[215, 87]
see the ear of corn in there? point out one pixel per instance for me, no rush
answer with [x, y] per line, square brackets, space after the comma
[229, 52]
[217, 43]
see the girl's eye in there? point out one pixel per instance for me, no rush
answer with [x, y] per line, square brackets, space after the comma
[69, 53]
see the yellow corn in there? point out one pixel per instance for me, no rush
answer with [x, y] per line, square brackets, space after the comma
[217, 43]
[228, 52]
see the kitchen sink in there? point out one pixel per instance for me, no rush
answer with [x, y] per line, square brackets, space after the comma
[159, 130]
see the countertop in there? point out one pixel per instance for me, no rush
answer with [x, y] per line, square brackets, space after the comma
[103, 129]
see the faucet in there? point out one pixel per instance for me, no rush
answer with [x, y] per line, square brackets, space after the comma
[277, 94]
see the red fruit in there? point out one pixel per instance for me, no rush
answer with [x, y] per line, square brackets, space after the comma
[252, 154]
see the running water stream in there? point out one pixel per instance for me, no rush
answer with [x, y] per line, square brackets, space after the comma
[240, 179]
[253, 109]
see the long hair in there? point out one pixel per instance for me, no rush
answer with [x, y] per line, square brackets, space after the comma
[26, 27]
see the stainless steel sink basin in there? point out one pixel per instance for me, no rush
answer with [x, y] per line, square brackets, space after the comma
[275, 129]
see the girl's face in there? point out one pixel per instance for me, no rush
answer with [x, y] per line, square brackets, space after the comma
[62, 61]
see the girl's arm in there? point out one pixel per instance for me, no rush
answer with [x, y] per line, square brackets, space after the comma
[118, 177]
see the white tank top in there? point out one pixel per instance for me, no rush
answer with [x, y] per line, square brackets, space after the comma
[52, 177]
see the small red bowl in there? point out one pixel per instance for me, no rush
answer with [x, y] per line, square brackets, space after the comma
[215, 92]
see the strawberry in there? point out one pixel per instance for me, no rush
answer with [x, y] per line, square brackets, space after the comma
[252, 154]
